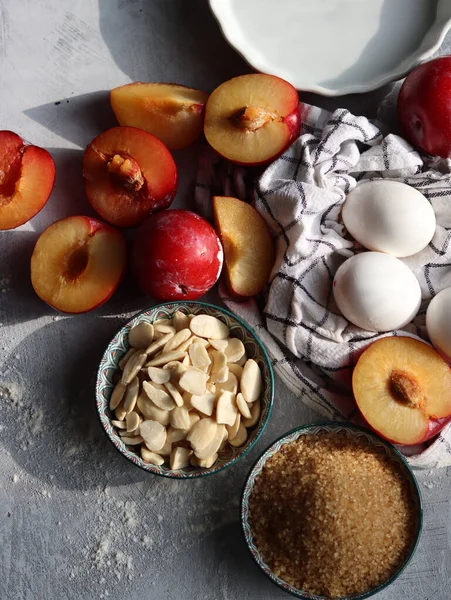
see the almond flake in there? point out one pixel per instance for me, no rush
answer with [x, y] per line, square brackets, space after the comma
[151, 457]
[133, 366]
[213, 446]
[180, 320]
[202, 434]
[162, 359]
[235, 350]
[198, 355]
[141, 335]
[179, 418]
[179, 458]
[132, 441]
[251, 381]
[226, 410]
[131, 395]
[240, 437]
[219, 345]
[181, 336]
[205, 463]
[204, 404]
[243, 406]
[255, 414]
[194, 381]
[209, 327]
[132, 420]
[158, 375]
[117, 395]
[153, 434]
[158, 395]
[177, 397]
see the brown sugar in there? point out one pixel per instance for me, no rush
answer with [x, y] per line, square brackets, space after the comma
[332, 515]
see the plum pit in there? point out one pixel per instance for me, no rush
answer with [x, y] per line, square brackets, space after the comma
[126, 172]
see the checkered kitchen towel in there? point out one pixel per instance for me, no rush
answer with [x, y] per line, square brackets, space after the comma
[300, 195]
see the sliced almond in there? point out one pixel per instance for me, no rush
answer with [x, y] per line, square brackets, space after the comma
[175, 435]
[209, 327]
[220, 376]
[186, 344]
[205, 369]
[163, 328]
[133, 366]
[205, 463]
[151, 457]
[235, 350]
[251, 381]
[158, 344]
[211, 388]
[194, 381]
[242, 360]
[236, 369]
[179, 418]
[226, 409]
[132, 440]
[118, 424]
[166, 450]
[158, 395]
[153, 434]
[163, 321]
[125, 433]
[199, 340]
[255, 414]
[126, 358]
[186, 362]
[179, 458]
[180, 320]
[240, 437]
[132, 421]
[243, 406]
[204, 404]
[131, 395]
[193, 418]
[202, 434]
[162, 359]
[117, 395]
[150, 411]
[141, 335]
[187, 400]
[213, 446]
[158, 375]
[232, 430]
[219, 345]
[181, 336]
[219, 361]
[231, 384]
[198, 355]
[120, 412]
[176, 395]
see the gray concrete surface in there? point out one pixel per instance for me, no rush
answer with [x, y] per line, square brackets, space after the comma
[77, 521]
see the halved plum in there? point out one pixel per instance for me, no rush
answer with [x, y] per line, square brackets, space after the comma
[27, 175]
[403, 389]
[173, 113]
[78, 263]
[252, 119]
[128, 174]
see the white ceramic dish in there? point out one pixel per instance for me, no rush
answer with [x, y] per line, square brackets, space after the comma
[334, 47]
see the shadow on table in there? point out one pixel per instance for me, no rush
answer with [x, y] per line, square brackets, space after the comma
[49, 419]
[175, 41]
[77, 119]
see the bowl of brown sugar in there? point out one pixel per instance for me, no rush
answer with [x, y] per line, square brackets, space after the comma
[331, 510]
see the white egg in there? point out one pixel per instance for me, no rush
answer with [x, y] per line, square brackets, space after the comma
[376, 291]
[389, 216]
[438, 322]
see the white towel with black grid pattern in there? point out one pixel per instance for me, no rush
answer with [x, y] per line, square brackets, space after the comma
[313, 348]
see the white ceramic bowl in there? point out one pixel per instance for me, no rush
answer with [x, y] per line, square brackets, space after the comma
[334, 47]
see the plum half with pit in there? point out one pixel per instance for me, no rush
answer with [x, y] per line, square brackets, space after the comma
[128, 174]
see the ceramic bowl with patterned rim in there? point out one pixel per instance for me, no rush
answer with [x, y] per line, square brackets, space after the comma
[352, 431]
[118, 347]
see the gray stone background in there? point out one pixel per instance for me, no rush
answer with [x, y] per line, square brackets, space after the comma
[77, 521]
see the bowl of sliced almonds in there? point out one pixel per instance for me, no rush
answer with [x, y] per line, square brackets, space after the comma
[184, 389]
